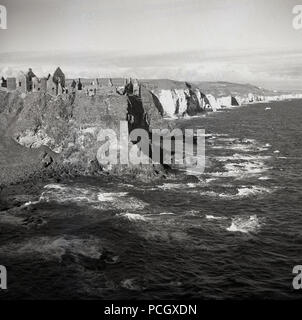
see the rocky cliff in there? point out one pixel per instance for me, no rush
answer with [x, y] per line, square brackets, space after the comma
[39, 130]
[178, 99]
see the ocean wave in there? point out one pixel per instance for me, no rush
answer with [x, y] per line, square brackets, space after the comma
[169, 186]
[89, 196]
[242, 157]
[166, 213]
[242, 170]
[192, 213]
[134, 216]
[49, 248]
[252, 191]
[245, 145]
[264, 178]
[249, 224]
[31, 203]
[110, 196]
[211, 217]
[55, 186]
[243, 192]
[130, 284]
[10, 219]
[177, 186]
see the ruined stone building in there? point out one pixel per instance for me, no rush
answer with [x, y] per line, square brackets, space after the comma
[117, 82]
[39, 85]
[35, 84]
[22, 82]
[80, 85]
[104, 82]
[30, 75]
[11, 84]
[3, 83]
[136, 87]
[59, 80]
[51, 86]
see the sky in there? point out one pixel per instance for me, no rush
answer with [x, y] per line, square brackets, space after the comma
[246, 41]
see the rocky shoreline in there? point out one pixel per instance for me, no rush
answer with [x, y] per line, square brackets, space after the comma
[44, 137]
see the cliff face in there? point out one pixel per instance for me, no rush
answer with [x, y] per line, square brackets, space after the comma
[38, 130]
[67, 127]
[178, 99]
[66, 124]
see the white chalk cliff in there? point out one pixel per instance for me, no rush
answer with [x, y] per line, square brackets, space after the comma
[181, 102]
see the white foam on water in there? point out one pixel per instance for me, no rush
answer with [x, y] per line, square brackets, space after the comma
[252, 191]
[244, 224]
[110, 196]
[243, 157]
[129, 284]
[242, 145]
[242, 170]
[169, 186]
[264, 178]
[243, 192]
[90, 196]
[31, 203]
[134, 216]
[227, 139]
[62, 194]
[192, 185]
[55, 186]
[209, 193]
[176, 186]
[214, 194]
[192, 213]
[167, 213]
[237, 146]
[211, 217]
[276, 151]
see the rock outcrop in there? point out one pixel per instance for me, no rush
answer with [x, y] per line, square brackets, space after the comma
[178, 99]
[39, 131]
[68, 126]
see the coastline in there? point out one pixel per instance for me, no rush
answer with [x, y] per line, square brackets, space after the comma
[23, 165]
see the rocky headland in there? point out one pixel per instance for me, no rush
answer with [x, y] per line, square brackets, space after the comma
[44, 135]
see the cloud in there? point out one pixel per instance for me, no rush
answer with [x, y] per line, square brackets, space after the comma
[280, 70]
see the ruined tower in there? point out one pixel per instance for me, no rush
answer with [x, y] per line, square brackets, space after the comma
[59, 78]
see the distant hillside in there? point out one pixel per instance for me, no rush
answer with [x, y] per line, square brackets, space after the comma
[228, 88]
[164, 84]
[217, 89]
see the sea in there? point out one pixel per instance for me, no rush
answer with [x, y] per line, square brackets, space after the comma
[234, 232]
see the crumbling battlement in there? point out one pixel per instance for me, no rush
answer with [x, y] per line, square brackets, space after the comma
[57, 84]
